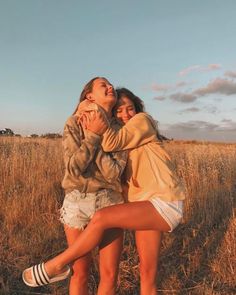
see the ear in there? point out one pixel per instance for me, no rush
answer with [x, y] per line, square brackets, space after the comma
[89, 97]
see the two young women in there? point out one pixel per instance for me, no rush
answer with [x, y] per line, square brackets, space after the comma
[154, 193]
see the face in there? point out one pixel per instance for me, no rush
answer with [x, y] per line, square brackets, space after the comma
[125, 110]
[103, 93]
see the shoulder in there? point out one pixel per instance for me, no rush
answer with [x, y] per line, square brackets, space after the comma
[143, 121]
[143, 115]
[71, 122]
[71, 126]
[142, 118]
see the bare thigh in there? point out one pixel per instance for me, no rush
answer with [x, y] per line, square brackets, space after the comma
[135, 216]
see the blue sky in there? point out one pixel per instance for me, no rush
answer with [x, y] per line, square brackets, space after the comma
[178, 56]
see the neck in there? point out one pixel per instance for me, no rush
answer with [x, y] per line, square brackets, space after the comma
[108, 111]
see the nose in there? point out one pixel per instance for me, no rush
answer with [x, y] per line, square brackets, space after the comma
[126, 113]
[110, 86]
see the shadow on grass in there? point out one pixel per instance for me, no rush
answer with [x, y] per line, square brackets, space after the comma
[187, 260]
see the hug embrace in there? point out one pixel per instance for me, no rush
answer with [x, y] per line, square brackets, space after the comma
[117, 176]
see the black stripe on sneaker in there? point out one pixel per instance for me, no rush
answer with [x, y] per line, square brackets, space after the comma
[34, 273]
[39, 275]
[44, 274]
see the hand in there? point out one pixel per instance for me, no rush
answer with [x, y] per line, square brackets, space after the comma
[86, 106]
[95, 122]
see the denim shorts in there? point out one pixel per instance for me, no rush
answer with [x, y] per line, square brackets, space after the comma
[78, 208]
[171, 212]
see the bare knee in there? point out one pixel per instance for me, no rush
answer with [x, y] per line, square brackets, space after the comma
[98, 219]
[108, 277]
[148, 273]
[80, 274]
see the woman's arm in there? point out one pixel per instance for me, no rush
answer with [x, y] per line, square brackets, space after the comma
[111, 165]
[78, 151]
[138, 131]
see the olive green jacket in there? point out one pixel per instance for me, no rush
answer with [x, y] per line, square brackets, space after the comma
[87, 167]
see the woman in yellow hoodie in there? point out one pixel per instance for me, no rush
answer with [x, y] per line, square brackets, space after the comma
[154, 192]
[149, 177]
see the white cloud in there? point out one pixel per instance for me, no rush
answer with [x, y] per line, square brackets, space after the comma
[209, 109]
[161, 87]
[219, 85]
[161, 97]
[201, 130]
[199, 68]
[190, 110]
[230, 74]
[183, 97]
[167, 87]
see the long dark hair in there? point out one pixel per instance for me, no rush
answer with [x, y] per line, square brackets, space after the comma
[138, 104]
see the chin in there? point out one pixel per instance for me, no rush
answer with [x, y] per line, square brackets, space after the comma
[126, 121]
[120, 121]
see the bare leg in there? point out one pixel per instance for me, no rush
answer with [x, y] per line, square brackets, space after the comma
[134, 216]
[148, 246]
[109, 254]
[79, 279]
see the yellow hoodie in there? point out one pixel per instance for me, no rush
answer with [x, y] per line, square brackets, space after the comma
[149, 172]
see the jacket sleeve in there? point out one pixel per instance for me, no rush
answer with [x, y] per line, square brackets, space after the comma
[138, 131]
[78, 151]
[111, 165]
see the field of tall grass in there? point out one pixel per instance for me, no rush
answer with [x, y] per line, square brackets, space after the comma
[199, 257]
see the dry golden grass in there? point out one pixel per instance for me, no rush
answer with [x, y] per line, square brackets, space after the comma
[199, 257]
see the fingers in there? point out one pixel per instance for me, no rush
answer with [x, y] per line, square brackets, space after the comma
[85, 120]
[97, 123]
[93, 121]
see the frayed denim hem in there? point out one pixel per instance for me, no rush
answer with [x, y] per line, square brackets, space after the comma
[66, 220]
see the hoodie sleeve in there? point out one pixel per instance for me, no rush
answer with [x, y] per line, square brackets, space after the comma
[111, 165]
[138, 131]
[79, 149]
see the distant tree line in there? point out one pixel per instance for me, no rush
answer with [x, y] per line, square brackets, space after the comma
[9, 132]
[51, 135]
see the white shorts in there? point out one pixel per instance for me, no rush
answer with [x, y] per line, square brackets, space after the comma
[78, 208]
[172, 212]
